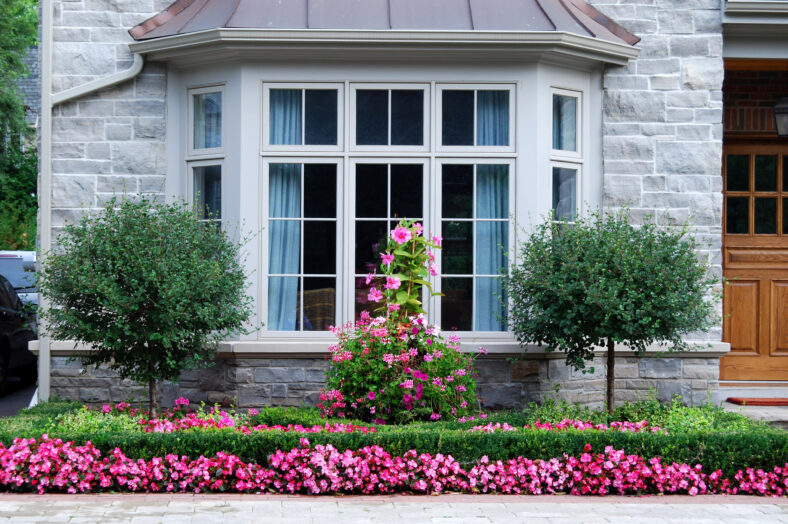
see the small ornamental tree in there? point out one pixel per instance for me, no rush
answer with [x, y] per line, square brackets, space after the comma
[395, 366]
[600, 282]
[148, 286]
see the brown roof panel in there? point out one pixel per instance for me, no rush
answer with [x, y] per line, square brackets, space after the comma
[570, 16]
[442, 14]
[509, 15]
[348, 14]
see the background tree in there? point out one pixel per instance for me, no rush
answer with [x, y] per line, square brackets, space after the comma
[602, 282]
[148, 286]
[18, 159]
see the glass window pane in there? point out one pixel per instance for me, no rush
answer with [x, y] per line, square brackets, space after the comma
[738, 215]
[785, 216]
[320, 190]
[407, 199]
[284, 247]
[492, 191]
[284, 190]
[320, 247]
[362, 295]
[283, 304]
[737, 172]
[765, 216]
[785, 173]
[207, 120]
[564, 122]
[321, 117]
[456, 303]
[372, 117]
[490, 313]
[407, 117]
[371, 239]
[457, 191]
[457, 118]
[564, 193]
[491, 241]
[372, 190]
[457, 253]
[319, 303]
[492, 118]
[765, 172]
[285, 117]
[208, 191]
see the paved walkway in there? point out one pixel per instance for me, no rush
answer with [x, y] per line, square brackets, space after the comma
[18, 398]
[444, 509]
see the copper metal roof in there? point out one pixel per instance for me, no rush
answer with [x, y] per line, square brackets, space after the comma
[570, 16]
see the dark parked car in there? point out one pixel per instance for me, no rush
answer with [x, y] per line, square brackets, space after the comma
[16, 330]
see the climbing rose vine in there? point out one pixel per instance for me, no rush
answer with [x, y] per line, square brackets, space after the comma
[51, 466]
[395, 366]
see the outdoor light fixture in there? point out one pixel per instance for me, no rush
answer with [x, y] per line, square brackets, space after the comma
[781, 117]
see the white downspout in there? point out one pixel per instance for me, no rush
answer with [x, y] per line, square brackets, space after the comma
[48, 102]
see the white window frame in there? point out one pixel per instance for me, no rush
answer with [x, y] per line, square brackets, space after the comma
[440, 87]
[350, 222]
[190, 168]
[565, 154]
[191, 151]
[303, 86]
[264, 228]
[427, 116]
[436, 306]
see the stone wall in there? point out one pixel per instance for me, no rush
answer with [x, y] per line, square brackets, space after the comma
[111, 142]
[662, 120]
[258, 382]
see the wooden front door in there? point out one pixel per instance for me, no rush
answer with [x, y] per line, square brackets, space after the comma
[755, 262]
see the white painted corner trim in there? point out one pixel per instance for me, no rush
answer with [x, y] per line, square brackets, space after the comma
[100, 83]
[757, 7]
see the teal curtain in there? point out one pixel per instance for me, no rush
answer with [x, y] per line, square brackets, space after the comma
[492, 118]
[284, 246]
[492, 238]
[285, 117]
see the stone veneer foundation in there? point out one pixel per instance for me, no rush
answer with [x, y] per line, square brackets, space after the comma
[290, 381]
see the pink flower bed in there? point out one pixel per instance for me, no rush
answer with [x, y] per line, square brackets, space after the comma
[193, 421]
[51, 465]
[579, 425]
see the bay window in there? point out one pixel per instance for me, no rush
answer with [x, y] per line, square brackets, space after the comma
[205, 152]
[566, 157]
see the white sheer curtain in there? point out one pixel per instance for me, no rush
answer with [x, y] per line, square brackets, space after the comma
[285, 117]
[207, 120]
[284, 246]
[492, 118]
[492, 202]
[564, 193]
[564, 123]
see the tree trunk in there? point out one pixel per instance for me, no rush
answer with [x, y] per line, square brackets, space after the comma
[154, 400]
[611, 375]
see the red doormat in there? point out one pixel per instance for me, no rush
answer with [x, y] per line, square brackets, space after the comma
[746, 401]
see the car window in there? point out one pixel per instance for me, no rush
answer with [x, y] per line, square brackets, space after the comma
[7, 294]
[13, 270]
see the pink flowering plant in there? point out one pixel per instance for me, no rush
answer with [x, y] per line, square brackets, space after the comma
[395, 366]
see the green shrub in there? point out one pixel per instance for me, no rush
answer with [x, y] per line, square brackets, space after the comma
[148, 286]
[600, 282]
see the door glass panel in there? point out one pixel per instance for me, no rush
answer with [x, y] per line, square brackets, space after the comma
[765, 173]
[738, 172]
[765, 216]
[785, 173]
[738, 215]
[785, 216]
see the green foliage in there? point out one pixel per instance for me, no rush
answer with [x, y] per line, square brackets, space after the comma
[18, 202]
[148, 286]
[601, 281]
[717, 446]
[19, 27]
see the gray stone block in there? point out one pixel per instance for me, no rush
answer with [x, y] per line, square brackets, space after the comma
[140, 158]
[660, 368]
[500, 396]
[73, 191]
[118, 132]
[254, 396]
[278, 374]
[707, 371]
[622, 190]
[702, 73]
[77, 130]
[634, 106]
[689, 157]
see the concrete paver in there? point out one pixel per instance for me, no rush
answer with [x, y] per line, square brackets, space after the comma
[445, 509]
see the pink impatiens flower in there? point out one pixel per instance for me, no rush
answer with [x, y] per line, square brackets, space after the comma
[387, 258]
[401, 234]
[437, 240]
[392, 283]
[375, 295]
